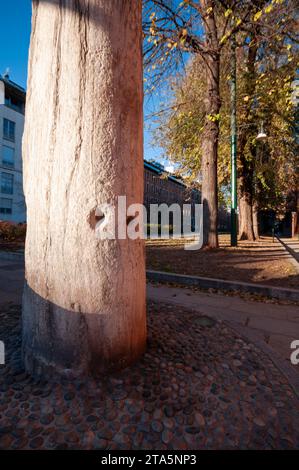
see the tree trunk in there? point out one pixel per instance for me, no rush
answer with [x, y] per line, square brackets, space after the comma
[211, 132]
[297, 212]
[245, 164]
[245, 205]
[84, 298]
[255, 221]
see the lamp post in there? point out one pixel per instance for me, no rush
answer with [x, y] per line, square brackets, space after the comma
[260, 138]
[233, 100]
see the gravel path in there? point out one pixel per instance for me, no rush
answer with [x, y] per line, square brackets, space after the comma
[198, 386]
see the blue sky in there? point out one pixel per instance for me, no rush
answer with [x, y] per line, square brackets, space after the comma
[14, 40]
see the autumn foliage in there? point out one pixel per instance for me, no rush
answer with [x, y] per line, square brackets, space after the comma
[12, 232]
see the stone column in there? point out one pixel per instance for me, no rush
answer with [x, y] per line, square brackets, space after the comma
[84, 298]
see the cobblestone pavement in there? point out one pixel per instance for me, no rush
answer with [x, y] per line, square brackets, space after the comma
[198, 386]
[274, 324]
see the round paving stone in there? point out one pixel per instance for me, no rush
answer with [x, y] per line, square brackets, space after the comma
[169, 411]
[259, 422]
[92, 419]
[69, 396]
[36, 443]
[193, 430]
[200, 419]
[119, 394]
[20, 443]
[167, 436]
[157, 426]
[46, 419]
[5, 441]
[72, 437]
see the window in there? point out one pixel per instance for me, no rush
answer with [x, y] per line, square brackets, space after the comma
[8, 156]
[5, 206]
[6, 183]
[9, 129]
[14, 103]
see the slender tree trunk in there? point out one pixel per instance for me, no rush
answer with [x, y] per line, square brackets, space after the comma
[297, 212]
[255, 221]
[211, 132]
[246, 231]
[84, 298]
[245, 164]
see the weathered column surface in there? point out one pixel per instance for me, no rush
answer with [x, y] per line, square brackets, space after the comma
[84, 298]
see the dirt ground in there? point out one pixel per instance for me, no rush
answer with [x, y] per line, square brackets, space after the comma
[263, 261]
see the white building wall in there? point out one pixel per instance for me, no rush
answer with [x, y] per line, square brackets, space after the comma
[18, 201]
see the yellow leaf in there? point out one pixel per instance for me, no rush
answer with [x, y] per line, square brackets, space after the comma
[228, 13]
[257, 15]
[223, 39]
[246, 98]
[209, 10]
[268, 9]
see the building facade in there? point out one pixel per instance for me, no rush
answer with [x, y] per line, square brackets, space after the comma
[12, 110]
[162, 187]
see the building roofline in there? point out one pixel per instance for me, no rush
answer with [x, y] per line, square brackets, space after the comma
[159, 171]
[12, 84]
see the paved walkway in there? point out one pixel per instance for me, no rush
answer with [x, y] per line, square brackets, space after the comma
[292, 244]
[276, 325]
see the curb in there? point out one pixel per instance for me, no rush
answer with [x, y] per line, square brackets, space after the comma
[230, 286]
[293, 257]
[11, 256]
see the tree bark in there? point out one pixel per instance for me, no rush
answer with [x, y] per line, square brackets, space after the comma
[297, 212]
[245, 165]
[255, 221]
[84, 298]
[211, 131]
[245, 204]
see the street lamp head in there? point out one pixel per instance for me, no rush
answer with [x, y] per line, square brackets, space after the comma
[261, 135]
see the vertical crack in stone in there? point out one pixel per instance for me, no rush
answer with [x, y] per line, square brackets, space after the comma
[82, 14]
[49, 191]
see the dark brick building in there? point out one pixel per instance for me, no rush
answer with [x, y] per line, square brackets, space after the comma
[161, 187]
